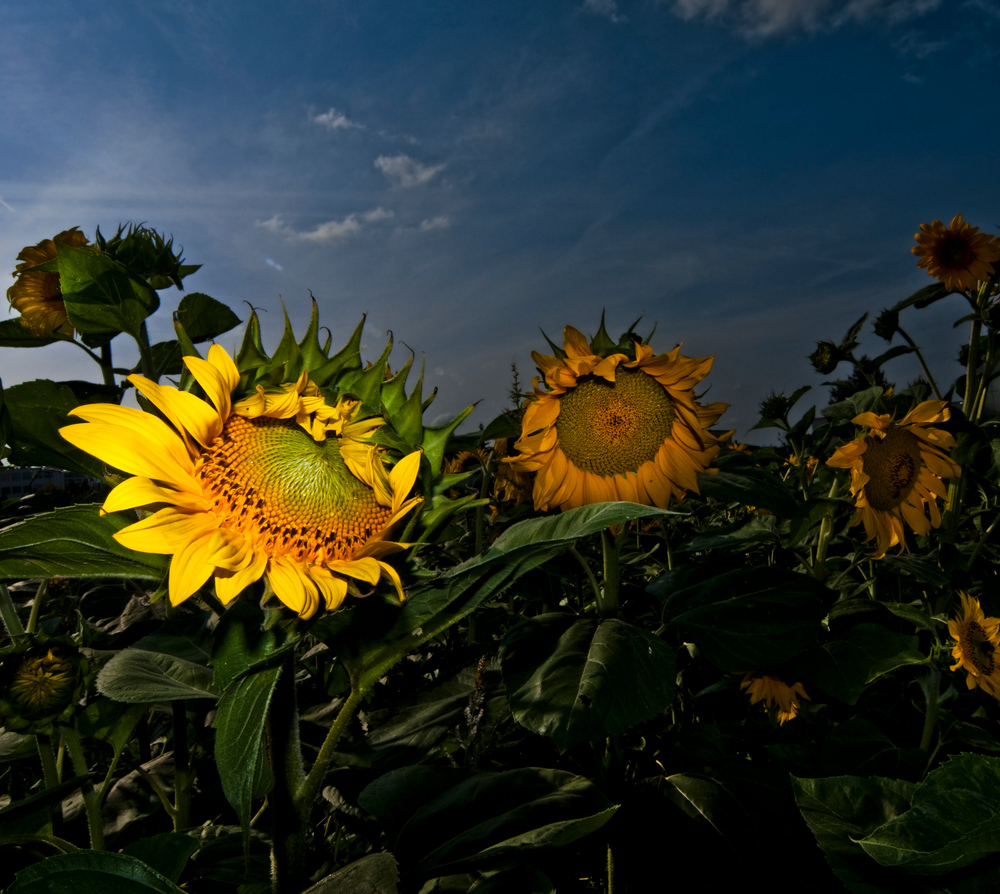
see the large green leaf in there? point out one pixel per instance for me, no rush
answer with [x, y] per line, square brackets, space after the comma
[204, 318]
[139, 676]
[738, 479]
[101, 298]
[388, 633]
[845, 665]
[953, 820]
[752, 618]
[91, 872]
[840, 810]
[14, 335]
[445, 820]
[580, 679]
[75, 541]
[240, 755]
[38, 410]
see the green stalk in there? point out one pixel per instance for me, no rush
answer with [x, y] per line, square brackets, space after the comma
[107, 367]
[309, 788]
[932, 694]
[289, 816]
[71, 739]
[9, 614]
[596, 587]
[182, 769]
[145, 353]
[607, 603]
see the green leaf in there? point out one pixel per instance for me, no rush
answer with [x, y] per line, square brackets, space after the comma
[566, 678]
[847, 664]
[445, 820]
[38, 410]
[382, 635]
[751, 618]
[953, 820]
[840, 810]
[101, 298]
[75, 541]
[14, 335]
[204, 318]
[91, 872]
[139, 676]
[240, 755]
[373, 874]
[167, 852]
[739, 480]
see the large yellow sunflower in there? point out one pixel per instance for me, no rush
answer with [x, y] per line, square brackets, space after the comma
[978, 641]
[36, 295]
[958, 254]
[611, 428]
[897, 471]
[775, 693]
[280, 485]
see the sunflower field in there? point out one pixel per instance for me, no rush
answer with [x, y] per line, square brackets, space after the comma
[266, 630]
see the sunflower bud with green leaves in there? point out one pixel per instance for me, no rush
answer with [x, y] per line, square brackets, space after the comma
[296, 468]
[615, 422]
[41, 682]
[826, 358]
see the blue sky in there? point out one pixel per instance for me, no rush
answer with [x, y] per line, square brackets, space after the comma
[746, 174]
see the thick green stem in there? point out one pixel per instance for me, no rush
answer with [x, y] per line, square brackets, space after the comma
[9, 614]
[182, 767]
[932, 694]
[36, 606]
[607, 603]
[289, 816]
[146, 361]
[107, 367]
[309, 789]
[71, 739]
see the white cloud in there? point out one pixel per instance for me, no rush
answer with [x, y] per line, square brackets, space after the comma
[331, 231]
[435, 223]
[608, 8]
[334, 120]
[406, 171]
[759, 19]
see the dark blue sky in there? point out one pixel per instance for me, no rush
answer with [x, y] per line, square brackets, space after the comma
[748, 174]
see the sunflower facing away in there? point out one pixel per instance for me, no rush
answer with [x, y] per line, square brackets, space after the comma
[897, 471]
[613, 428]
[978, 640]
[279, 484]
[958, 254]
[36, 296]
[775, 693]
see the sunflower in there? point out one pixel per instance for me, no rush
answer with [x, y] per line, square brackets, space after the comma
[612, 428]
[897, 471]
[958, 255]
[978, 640]
[775, 692]
[279, 484]
[37, 295]
[43, 682]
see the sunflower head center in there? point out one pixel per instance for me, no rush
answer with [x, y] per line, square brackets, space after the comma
[288, 494]
[892, 465]
[610, 428]
[978, 649]
[956, 253]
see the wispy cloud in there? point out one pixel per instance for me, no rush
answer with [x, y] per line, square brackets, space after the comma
[331, 119]
[759, 19]
[329, 232]
[607, 8]
[406, 171]
[441, 222]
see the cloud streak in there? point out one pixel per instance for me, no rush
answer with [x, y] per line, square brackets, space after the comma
[331, 119]
[405, 171]
[330, 232]
[760, 19]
